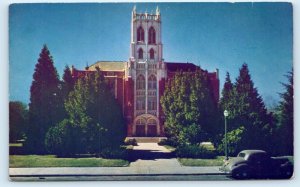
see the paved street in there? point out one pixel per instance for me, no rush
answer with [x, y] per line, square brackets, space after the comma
[149, 162]
[127, 178]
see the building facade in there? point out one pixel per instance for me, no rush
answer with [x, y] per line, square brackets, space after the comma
[138, 84]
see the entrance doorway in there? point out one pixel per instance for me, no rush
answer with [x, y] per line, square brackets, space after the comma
[151, 127]
[146, 126]
[140, 127]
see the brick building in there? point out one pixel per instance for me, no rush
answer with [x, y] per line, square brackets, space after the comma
[139, 83]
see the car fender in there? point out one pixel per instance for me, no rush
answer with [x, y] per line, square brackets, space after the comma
[241, 171]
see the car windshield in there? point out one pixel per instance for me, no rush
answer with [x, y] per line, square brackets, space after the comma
[241, 155]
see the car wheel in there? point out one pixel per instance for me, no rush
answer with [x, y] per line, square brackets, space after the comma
[288, 174]
[241, 174]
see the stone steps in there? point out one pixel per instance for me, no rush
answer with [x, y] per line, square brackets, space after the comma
[147, 139]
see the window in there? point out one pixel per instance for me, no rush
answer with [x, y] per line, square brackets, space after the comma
[151, 122]
[152, 82]
[140, 34]
[242, 155]
[151, 36]
[140, 82]
[140, 103]
[152, 103]
[140, 53]
[151, 53]
[140, 122]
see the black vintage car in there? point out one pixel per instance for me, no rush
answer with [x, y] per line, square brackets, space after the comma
[258, 164]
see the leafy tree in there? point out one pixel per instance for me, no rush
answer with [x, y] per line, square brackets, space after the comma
[188, 106]
[286, 117]
[45, 104]
[234, 141]
[95, 118]
[18, 119]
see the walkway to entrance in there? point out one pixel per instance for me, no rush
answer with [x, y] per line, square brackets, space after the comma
[151, 156]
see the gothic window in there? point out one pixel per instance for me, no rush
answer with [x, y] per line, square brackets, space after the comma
[140, 122]
[140, 82]
[151, 36]
[152, 103]
[140, 103]
[151, 122]
[152, 82]
[151, 53]
[140, 34]
[140, 53]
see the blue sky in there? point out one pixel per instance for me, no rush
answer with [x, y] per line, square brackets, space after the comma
[212, 35]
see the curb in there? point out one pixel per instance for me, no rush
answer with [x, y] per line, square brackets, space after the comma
[106, 175]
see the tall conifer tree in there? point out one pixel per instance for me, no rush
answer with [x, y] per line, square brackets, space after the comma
[286, 112]
[250, 112]
[68, 82]
[227, 100]
[44, 103]
[248, 118]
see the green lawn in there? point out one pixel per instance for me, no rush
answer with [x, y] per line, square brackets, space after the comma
[16, 161]
[218, 161]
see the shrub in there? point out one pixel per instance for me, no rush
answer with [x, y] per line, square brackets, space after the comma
[235, 142]
[167, 142]
[194, 151]
[55, 136]
[129, 141]
[65, 140]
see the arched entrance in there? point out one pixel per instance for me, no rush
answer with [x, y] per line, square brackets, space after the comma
[140, 127]
[152, 127]
[146, 125]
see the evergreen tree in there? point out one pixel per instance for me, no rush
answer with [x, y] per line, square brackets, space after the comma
[286, 117]
[189, 109]
[44, 106]
[226, 92]
[227, 101]
[250, 112]
[68, 82]
[67, 85]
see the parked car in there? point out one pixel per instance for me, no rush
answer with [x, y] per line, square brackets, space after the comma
[258, 164]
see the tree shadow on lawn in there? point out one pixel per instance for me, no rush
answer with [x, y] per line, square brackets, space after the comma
[149, 155]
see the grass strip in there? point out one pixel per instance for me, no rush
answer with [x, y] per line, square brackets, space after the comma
[218, 161]
[19, 161]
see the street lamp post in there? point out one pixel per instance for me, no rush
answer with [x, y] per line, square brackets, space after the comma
[225, 115]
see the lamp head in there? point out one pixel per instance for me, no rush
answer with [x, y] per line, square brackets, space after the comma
[226, 113]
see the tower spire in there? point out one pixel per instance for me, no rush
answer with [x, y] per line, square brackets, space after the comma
[157, 11]
[134, 9]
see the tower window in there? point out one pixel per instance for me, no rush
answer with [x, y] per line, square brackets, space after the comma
[152, 82]
[140, 53]
[140, 82]
[152, 103]
[151, 36]
[140, 34]
[140, 103]
[151, 53]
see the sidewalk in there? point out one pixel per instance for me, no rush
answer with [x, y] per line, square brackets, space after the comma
[155, 164]
[105, 171]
